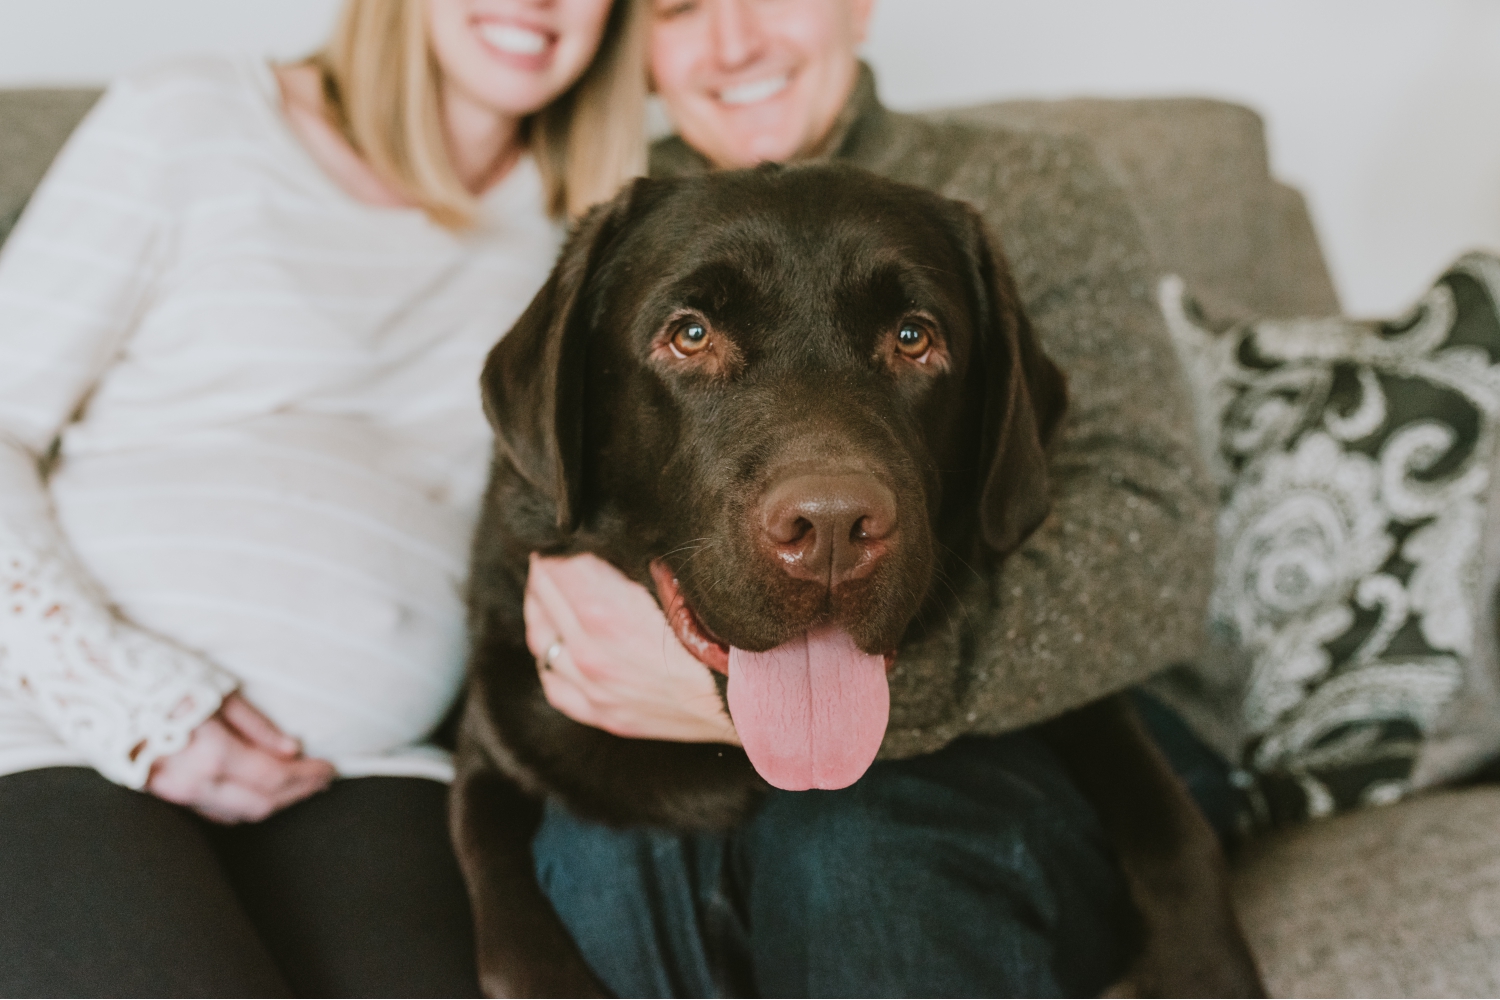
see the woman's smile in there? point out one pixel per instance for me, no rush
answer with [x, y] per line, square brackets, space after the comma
[524, 46]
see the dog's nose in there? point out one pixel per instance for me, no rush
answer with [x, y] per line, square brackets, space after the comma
[828, 528]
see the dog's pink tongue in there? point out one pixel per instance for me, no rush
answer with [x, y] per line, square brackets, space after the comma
[811, 713]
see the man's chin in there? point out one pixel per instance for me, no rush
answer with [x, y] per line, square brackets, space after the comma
[735, 137]
[751, 149]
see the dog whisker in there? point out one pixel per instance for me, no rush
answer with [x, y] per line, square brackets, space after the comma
[696, 544]
[941, 576]
[964, 562]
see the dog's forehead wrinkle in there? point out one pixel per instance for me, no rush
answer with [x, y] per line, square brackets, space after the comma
[777, 230]
[925, 279]
[718, 288]
[712, 229]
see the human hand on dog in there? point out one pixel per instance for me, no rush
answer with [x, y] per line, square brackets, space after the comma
[615, 663]
[238, 768]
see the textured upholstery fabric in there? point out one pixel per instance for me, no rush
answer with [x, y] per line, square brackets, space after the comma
[33, 126]
[1201, 184]
[1389, 902]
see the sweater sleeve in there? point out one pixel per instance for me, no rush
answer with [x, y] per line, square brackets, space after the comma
[75, 277]
[1113, 587]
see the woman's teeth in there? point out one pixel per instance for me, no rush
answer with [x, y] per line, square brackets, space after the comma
[511, 39]
[760, 90]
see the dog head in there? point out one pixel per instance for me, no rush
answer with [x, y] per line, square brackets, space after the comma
[784, 397]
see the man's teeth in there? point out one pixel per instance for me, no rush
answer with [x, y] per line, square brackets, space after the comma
[749, 93]
[509, 38]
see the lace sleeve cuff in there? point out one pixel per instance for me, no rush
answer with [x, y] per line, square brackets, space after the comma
[118, 694]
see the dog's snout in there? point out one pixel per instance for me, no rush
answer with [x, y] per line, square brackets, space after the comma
[828, 528]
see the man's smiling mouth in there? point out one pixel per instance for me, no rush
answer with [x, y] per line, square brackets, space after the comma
[755, 91]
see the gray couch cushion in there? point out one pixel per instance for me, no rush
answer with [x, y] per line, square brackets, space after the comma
[1201, 183]
[1397, 901]
[33, 126]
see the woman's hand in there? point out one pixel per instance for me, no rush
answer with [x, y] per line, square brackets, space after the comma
[614, 662]
[238, 768]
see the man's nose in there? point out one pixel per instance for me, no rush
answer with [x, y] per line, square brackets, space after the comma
[737, 36]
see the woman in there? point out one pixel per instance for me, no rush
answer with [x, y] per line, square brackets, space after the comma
[240, 451]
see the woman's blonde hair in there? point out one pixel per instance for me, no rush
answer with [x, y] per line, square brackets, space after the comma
[381, 83]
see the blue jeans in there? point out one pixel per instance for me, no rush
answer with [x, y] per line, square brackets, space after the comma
[978, 870]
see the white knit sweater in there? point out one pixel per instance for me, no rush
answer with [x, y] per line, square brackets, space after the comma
[264, 400]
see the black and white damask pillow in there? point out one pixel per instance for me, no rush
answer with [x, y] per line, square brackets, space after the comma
[1359, 543]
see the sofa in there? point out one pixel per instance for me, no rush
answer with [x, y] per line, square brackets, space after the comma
[1395, 900]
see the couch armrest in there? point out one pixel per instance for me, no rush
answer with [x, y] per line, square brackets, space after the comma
[1387, 901]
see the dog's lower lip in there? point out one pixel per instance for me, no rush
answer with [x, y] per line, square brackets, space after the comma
[695, 638]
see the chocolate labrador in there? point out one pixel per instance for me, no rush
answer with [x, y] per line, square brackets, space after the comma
[784, 400]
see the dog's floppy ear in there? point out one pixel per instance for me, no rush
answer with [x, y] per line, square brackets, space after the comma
[533, 380]
[1025, 396]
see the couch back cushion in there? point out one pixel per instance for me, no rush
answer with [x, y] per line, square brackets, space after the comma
[1199, 177]
[33, 126]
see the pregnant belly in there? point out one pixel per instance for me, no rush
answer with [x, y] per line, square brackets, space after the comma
[333, 591]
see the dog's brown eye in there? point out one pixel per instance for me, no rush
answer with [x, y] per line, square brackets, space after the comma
[913, 340]
[690, 338]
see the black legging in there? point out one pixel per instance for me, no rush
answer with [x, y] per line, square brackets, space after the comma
[109, 892]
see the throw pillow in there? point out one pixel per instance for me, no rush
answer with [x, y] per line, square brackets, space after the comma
[1359, 542]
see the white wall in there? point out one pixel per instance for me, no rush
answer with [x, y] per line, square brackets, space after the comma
[1385, 112]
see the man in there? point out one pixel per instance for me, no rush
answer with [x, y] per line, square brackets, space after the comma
[964, 862]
